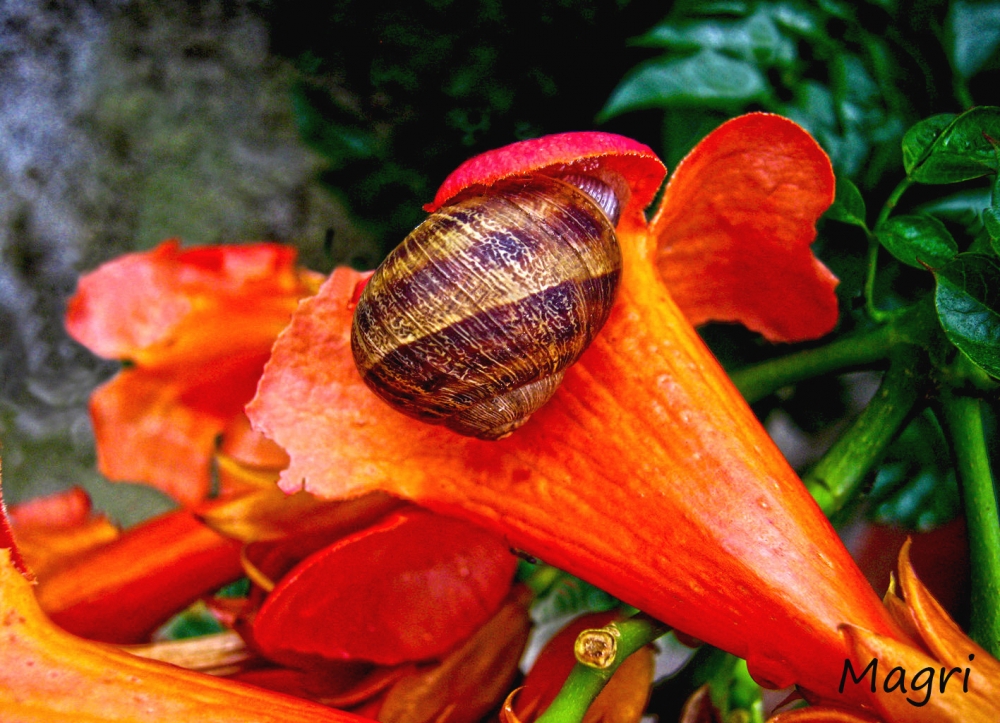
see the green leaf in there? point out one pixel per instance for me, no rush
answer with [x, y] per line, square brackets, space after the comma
[918, 241]
[707, 79]
[755, 39]
[968, 305]
[918, 140]
[991, 220]
[963, 207]
[958, 151]
[848, 207]
[991, 215]
[915, 487]
[972, 35]
[570, 595]
[195, 621]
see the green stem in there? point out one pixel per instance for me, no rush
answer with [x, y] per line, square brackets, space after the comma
[837, 477]
[871, 307]
[962, 93]
[890, 203]
[873, 247]
[964, 418]
[913, 326]
[585, 683]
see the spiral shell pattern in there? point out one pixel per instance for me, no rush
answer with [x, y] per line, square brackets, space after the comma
[472, 320]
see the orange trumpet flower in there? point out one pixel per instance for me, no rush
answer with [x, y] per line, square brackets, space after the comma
[943, 676]
[646, 474]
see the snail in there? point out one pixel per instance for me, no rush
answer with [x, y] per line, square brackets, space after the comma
[472, 321]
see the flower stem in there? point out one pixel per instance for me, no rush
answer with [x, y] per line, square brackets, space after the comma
[585, 683]
[964, 418]
[836, 478]
[913, 326]
[874, 312]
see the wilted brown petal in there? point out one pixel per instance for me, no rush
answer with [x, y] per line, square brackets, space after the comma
[470, 681]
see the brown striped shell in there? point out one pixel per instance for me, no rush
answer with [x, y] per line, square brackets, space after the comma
[473, 319]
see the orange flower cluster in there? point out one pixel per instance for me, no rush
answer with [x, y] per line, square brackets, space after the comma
[646, 474]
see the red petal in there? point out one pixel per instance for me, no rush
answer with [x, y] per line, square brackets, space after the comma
[584, 151]
[56, 530]
[409, 588]
[7, 541]
[734, 228]
[121, 592]
[69, 508]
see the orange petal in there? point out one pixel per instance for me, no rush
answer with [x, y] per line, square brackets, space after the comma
[198, 325]
[161, 428]
[942, 636]
[924, 701]
[170, 306]
[259, 511]
[122, 591]
[647, 475]
[623, 699]
[418, 582]
[250, 448]
[472, 679]
[48, 675]
[734, 227]
[507, 714]
[55, 530]
[822, 715]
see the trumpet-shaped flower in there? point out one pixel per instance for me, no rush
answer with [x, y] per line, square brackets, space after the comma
[943, 677]
[646, 474]
[196, 326]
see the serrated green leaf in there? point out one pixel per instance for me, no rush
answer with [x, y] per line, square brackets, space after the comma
[958, 152]
[967, 298]
[918, 241]
[848, 207]
[918, 140]
[706, 79]
[972, 35]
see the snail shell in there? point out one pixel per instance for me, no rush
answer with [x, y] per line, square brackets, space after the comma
[473, 319]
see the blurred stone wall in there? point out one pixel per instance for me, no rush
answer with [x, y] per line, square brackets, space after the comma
[122, 124]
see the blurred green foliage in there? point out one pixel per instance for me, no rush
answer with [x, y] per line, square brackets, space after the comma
[395, 95]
